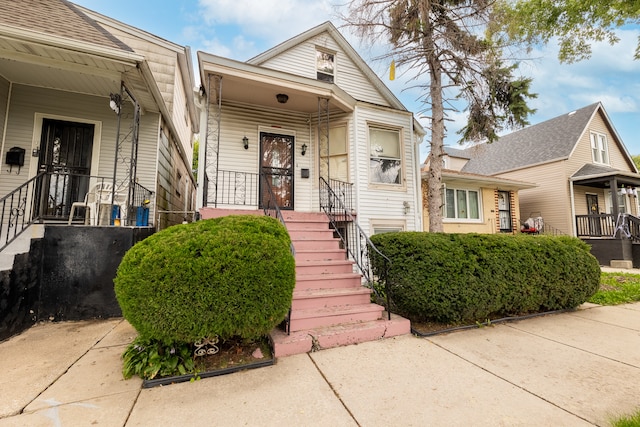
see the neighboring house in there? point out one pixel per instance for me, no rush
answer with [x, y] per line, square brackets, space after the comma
[309, 127]
[474, 203]
[583, 173]
[96, 128]
[61, 67]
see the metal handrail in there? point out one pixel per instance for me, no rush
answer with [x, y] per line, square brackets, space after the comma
[271, 208]
[17, 210]
[357, 243]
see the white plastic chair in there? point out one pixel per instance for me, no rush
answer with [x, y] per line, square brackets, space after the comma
[97, 203]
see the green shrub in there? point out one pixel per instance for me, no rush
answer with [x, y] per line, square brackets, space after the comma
[231, 277]
[473, 277]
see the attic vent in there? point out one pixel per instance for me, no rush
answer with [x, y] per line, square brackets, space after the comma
[572, 113]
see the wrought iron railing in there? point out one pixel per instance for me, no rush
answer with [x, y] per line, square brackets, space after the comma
[344, 190]
[233, 188]
[271, 208]
[50, 196]
[355, 241]
[17, 210]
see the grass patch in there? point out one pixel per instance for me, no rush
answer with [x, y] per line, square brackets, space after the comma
[617, 288]
[627, 421]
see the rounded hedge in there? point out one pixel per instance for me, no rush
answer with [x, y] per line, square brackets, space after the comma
[231, 276]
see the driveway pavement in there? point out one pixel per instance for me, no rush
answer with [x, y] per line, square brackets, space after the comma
[572, 369]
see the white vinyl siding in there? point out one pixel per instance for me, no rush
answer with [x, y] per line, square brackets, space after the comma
[301, 60]
[599, 148]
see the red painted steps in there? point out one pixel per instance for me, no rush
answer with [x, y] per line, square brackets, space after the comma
[330, 306]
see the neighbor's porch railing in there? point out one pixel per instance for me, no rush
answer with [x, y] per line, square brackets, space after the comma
[355, 240]
[598, 225]
[49, 196]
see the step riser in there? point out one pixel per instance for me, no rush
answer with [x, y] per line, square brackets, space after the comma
[317, 244]
[301, 235]
[307, 225]
[320, 322]
[329, 301]
[302, 283]
[338, 255]
[303, 270]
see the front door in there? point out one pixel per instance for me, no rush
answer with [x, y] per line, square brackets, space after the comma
[65, 154]
[594, 209]
[276, 169]
[504, 211]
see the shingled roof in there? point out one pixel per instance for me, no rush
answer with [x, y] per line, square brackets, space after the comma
[58, 18]
[551, 140]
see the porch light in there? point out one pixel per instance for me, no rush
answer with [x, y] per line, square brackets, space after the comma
[245, 141]
[115, 102]
[282, 98]
[304, 149]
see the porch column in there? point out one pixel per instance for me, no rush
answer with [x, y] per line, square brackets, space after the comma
[212, 140]
[323, 137]
[613, 185]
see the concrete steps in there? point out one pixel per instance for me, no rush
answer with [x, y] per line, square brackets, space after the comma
[330, 306]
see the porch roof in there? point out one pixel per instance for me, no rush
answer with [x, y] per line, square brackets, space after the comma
[465, 179]
[597, 176]
[251, 84]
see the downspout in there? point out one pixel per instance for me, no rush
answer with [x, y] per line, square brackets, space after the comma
[573, 210]
[6, 120]
[356, 161]
[312, 152]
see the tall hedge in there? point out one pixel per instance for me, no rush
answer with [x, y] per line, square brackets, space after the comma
[472, 277]
[230, 276]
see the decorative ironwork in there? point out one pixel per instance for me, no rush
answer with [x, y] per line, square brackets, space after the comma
[206, 346]
[17, 209]
[128, 110]
[212, 139]
[358, 245]
[323, 136]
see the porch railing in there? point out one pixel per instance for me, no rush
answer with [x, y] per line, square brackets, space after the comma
[233, 188]
[355, 240]
[17, 210]
[49, 196]
[597, 225]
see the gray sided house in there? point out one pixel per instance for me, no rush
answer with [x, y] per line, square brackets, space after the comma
[586, 182]
[96, 127]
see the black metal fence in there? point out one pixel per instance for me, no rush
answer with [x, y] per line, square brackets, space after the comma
[66, 197]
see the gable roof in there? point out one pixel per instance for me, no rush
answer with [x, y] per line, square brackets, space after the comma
[457, 152]
[351, 53]
[545, 142]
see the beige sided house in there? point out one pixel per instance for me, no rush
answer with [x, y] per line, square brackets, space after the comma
[586, 181]
[90, 104]
[474, 203]
[308, 132]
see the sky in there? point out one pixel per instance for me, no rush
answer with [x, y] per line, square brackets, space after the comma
[241, 29]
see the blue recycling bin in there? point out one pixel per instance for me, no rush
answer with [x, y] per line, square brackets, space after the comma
[142, 216]
[115, 213]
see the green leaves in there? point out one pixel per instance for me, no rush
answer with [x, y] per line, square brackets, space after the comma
[471, 277]
[149, 358]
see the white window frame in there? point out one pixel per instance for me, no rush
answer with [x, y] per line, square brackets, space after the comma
[455, 189]
[374, 154]
[387, 226]
[599, 148]
[325, 72]
[623, 202]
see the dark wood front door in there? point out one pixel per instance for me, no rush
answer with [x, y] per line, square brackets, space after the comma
[276, 168]
[65, 154]
[594, 209]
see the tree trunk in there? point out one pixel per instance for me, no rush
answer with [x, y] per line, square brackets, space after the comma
[434, 181]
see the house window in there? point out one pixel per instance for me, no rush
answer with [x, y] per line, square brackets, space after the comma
[325, 65]
[599, 148]
[338, 154]
[461, 204]
[386, 226]
[385, 166]
[622, 202]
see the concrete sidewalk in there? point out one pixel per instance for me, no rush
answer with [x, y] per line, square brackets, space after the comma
[572, 369]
